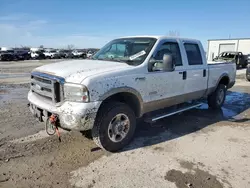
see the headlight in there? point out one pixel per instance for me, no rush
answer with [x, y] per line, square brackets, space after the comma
[76, 93]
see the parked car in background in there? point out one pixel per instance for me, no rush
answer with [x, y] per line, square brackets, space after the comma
[248, 58]
[89, 54]
[79, 54]
[129, 78]
[59, 54]
[34, 55]
[69, 54]
[248, 69]
[7, 55]
[49, 54]
[83, 54]
[38, 54]
[22, 55]
[237, 57]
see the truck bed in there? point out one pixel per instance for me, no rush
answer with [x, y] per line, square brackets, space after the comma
[218, 69]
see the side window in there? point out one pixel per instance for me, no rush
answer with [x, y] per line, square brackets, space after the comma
[169, 48]
[193, 54]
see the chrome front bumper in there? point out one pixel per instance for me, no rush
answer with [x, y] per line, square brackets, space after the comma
[72, 115]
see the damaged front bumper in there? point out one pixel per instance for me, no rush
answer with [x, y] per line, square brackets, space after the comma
[72, 115]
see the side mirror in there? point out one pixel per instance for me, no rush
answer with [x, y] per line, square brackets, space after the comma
[168, 63]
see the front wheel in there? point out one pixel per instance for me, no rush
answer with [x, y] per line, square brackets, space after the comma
[114, 126]
[217, 98]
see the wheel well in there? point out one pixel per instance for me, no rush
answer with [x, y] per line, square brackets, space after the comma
[128, 98]
[224, 80]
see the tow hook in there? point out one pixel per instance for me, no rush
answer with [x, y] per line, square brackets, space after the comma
[51, 126]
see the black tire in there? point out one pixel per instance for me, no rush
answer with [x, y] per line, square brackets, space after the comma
[245, 65]
[214, 100]
[100, 131]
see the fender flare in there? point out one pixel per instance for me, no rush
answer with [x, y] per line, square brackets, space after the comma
[124, 89]
[222, 76]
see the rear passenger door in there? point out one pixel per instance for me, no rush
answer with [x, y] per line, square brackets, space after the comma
[197, 71]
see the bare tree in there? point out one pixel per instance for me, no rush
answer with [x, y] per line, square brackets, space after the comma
[41, 46]
[174, 33]
[70, 47]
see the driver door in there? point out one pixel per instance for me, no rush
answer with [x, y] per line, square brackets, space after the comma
[165, 89]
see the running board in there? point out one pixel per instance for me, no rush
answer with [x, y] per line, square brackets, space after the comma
[170, 113]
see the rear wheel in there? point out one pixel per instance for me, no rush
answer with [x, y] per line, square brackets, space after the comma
[217, 98]
[114, 126]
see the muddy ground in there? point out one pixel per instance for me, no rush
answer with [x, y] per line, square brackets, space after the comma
[198, 148]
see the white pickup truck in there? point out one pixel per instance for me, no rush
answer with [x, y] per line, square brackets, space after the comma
[129, 78]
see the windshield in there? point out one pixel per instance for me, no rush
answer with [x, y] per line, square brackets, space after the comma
[130, 50]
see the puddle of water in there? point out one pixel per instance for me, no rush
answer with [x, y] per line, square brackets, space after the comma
[235, 97]
[14, 75]
[235, 104]
[227, 113]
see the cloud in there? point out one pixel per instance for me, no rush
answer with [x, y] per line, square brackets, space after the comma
[24, 30]
[13, 17]
[11, 35]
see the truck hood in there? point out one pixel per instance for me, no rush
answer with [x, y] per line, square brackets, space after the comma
[75, 71]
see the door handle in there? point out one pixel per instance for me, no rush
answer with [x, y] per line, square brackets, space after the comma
[184, 75]
[204, 72]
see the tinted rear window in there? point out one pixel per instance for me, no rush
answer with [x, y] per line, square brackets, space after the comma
[193, 54]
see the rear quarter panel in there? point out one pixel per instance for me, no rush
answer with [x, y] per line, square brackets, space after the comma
[217, 70]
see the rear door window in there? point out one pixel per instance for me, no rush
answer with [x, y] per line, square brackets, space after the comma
[193, 54]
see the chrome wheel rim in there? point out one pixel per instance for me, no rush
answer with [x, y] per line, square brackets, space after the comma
[118, 127]
[220, 97]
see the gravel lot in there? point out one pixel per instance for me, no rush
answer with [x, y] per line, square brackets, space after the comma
[198, 148]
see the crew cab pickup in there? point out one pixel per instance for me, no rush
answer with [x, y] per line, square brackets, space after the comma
[129, 78]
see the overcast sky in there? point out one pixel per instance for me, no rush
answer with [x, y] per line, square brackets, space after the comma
[92, 23]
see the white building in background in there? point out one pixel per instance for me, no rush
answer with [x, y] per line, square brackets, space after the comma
[217, 46]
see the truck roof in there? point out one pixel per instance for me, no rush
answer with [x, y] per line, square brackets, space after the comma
[159, 37]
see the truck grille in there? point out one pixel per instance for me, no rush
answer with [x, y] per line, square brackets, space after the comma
[47, 86]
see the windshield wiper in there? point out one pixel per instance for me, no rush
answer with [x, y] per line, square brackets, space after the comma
[115, 60]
